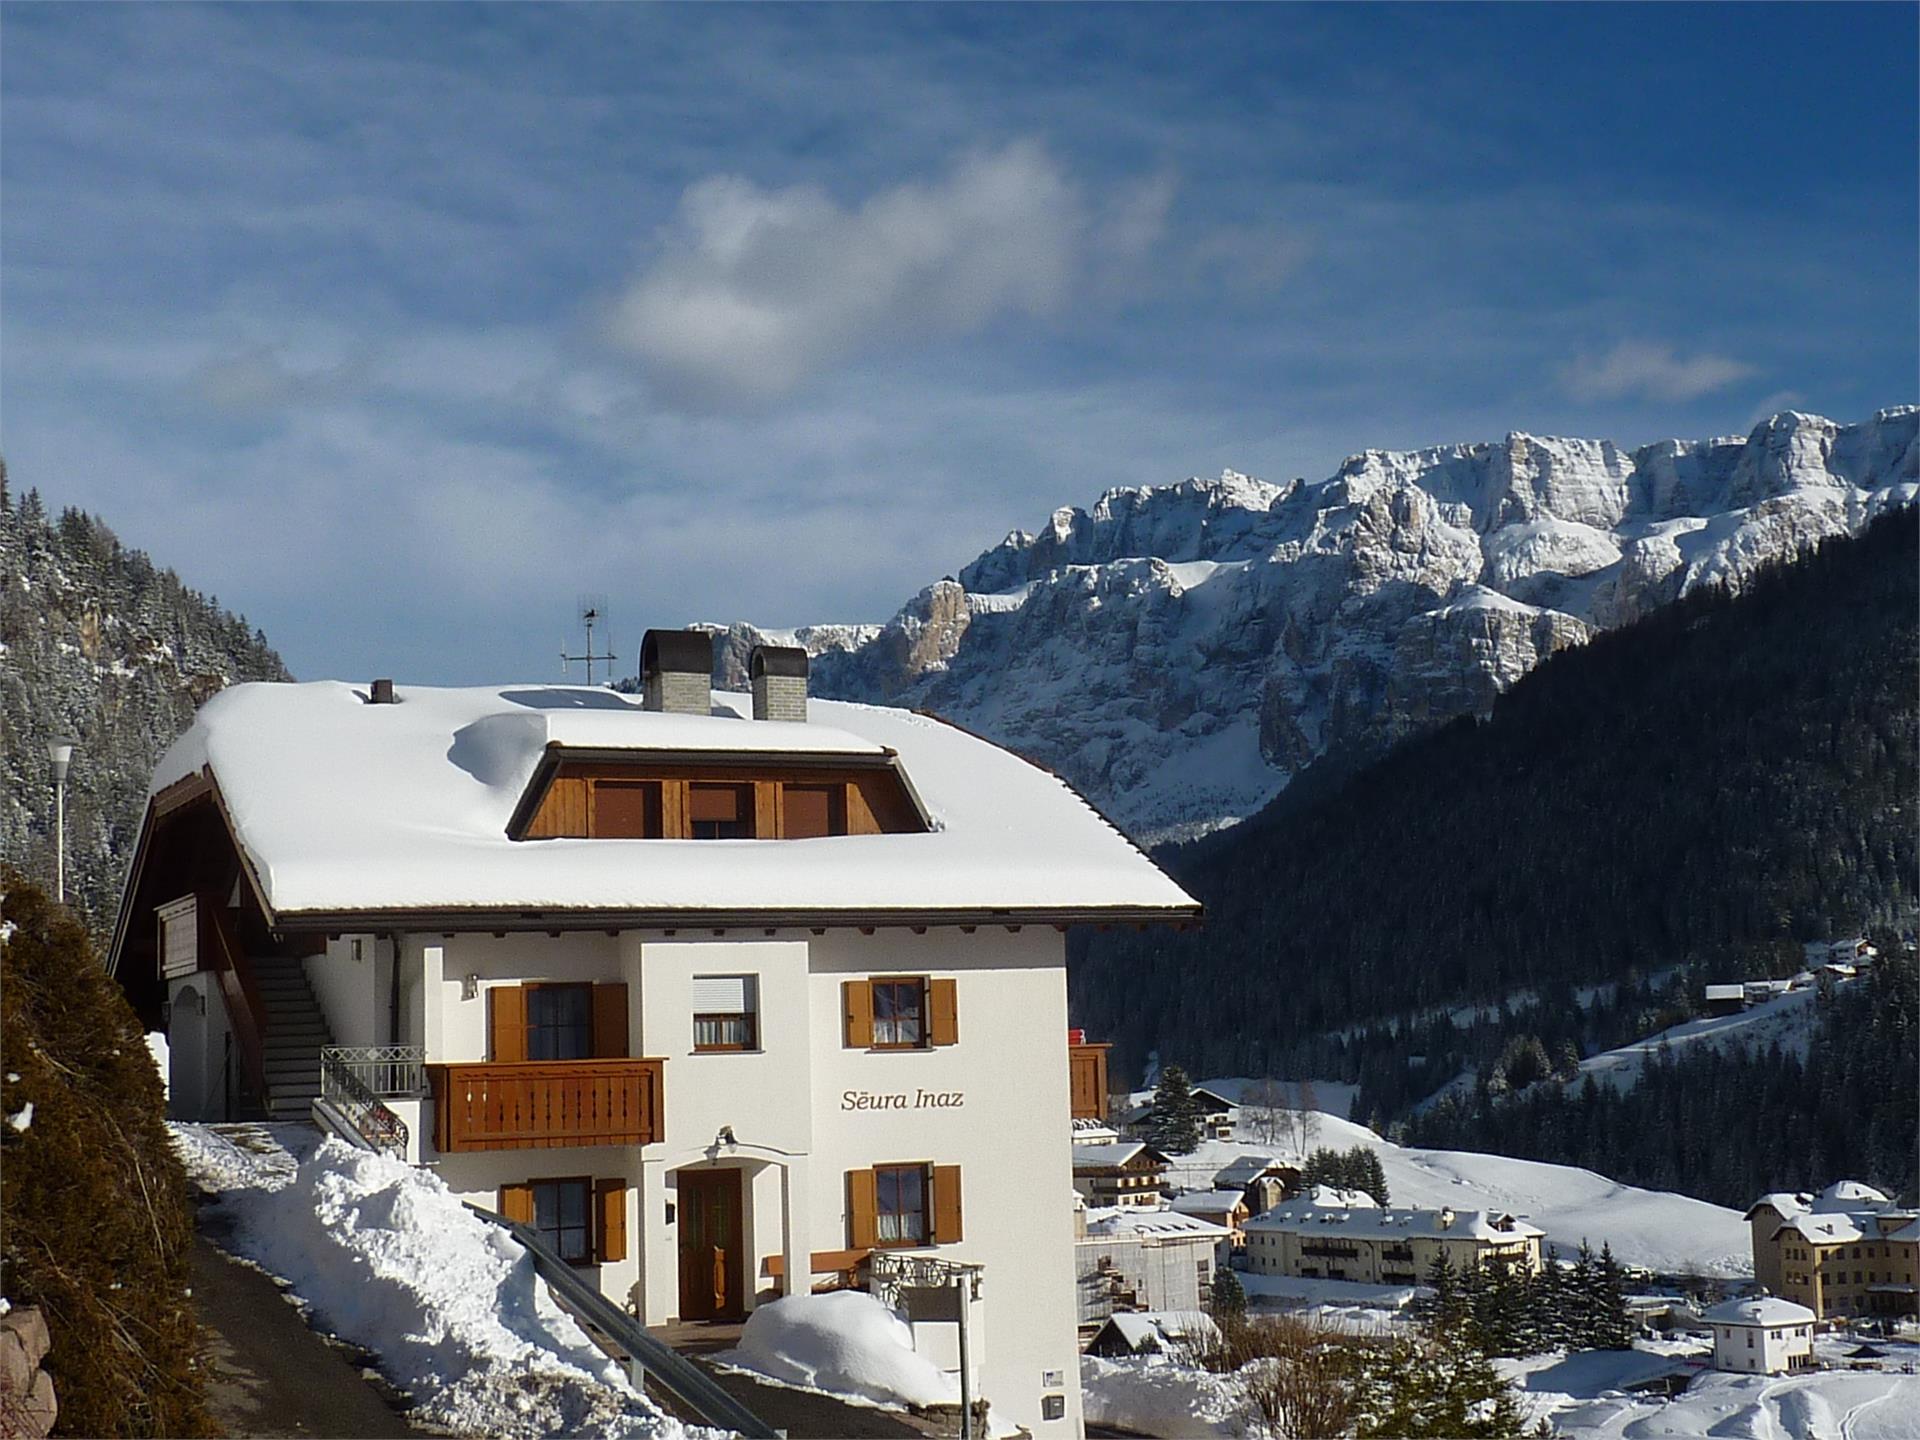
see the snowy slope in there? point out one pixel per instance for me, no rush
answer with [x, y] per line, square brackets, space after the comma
[1786, 1020]
[1652, 1228]
[1178, 652]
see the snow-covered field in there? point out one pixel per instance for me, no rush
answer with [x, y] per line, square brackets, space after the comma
[1656, 1229]
[384, 1256]
[1580, 1395]
[1787, 1019]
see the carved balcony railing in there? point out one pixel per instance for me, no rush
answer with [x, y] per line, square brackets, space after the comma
[545, 1104]
[345, 1087]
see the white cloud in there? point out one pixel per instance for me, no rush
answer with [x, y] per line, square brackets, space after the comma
[756, 291]
[1637, 367]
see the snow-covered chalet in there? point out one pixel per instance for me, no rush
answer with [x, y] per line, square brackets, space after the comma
[725, 995]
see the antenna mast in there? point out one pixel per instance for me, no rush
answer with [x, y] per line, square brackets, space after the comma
[592, 611]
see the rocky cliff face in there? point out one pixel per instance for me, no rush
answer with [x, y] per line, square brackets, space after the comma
[97, 643]
[1179, 651]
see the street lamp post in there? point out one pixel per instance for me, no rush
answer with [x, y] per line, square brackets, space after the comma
[60, 751]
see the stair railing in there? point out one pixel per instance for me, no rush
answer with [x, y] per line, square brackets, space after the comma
[342, 1087]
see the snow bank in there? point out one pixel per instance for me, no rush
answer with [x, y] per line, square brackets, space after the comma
[389, 1259]
[846, 1343]
[1152, 1395]
[157, 1047]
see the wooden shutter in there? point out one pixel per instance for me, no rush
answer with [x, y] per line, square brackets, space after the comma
[863, 1207]
[856, 1004]
[609, 1220]
[946, 1204]
[610, 1021]
[943, 1012]
[516, 1203]
[506, 1023]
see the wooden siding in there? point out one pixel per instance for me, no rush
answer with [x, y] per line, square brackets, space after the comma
[863, 802]
[545, 1104]
[1087, 1071]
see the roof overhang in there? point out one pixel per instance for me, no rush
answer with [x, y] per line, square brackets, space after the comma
[454, 920]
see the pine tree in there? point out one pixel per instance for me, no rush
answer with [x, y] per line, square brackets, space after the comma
[1375, 1183]
[1438, 1309]
[1614, 1327]
[1175, 1127]
[1229, 1304]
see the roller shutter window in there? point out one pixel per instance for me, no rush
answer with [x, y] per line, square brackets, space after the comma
[726, 1012]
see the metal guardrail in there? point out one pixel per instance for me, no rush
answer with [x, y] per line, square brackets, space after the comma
[343, 1088]
[651, 1360]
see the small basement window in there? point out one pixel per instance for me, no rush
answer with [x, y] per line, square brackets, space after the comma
[726, 1012]
[720, 812]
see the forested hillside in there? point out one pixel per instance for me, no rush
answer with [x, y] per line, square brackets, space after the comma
[1729, 1125]
[98, 643]
[1705, 788]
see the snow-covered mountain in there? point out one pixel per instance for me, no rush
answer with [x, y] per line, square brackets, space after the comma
[1179, 652]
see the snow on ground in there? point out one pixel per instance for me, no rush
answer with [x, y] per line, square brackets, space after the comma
[157, 1047]
[387, 1258]
[1157, 1395]
[1580, 1395]
[1656, 1229]
[845, 1343]
[1787, 1018]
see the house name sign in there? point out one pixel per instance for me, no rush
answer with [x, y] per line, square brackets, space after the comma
[902, 1100]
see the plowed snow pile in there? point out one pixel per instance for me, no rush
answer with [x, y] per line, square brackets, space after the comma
[388, 1259]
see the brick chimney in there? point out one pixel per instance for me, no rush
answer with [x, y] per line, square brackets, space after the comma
[676, 671]
[779, 675]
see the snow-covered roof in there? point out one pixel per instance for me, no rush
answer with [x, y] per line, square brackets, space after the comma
[1726, 992]
[1786, 1203]
[1247, 1169]
[1159, 1329]
[1332, 1197]
[343, 807]
[1208, 1202]
[1848, 1196]
[1112, 1157]
[1120, 1221]
[1378, 1223]
[1823, 1229]
[1764, 1310]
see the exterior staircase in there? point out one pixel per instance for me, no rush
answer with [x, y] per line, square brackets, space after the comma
[295, 1029]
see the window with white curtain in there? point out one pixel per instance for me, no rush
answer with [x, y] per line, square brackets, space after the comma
[726, 1012]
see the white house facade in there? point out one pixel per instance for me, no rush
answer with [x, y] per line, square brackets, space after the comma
[710, 995]
[1764, 1336]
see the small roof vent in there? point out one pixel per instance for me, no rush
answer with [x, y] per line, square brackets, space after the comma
[380, 693]
[676, 671]
[779, 676]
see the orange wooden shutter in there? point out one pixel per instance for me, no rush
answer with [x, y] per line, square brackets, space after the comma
[943, 1012]
[863, 1206]
[946, 1204]
[856, 1000]
[610, 1220]
[516, 1203]
[610, 1021]
[507, 1023]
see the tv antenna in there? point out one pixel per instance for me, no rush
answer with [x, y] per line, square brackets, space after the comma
[592, 611]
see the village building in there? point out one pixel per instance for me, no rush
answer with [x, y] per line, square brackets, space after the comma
[1225, 1208]
[724, 996]
[1764, 1336]
[1122, 1172]
[1846, 1252]
[1153, 1332]
[1129, 1257]
[1316, 1237]
[1263, 1180]
[1215, 1116]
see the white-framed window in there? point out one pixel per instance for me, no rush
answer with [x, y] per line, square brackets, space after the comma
[726, 1012]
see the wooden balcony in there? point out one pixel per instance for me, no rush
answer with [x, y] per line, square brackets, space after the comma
[545, 1104]
[1087, 1070]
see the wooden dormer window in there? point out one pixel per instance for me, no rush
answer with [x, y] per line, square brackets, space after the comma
[627, 810]
[812, 811]
[719, 812]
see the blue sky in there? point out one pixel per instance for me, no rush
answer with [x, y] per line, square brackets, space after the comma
[401, 327]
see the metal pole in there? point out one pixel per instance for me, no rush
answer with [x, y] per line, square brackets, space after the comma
[966, 1379]
[60, 841]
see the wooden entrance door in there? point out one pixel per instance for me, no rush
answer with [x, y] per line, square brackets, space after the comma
[711, 1268]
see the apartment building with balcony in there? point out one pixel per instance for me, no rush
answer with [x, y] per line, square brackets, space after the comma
[1343, 1235]
[1847, 1252]
[727, 996]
